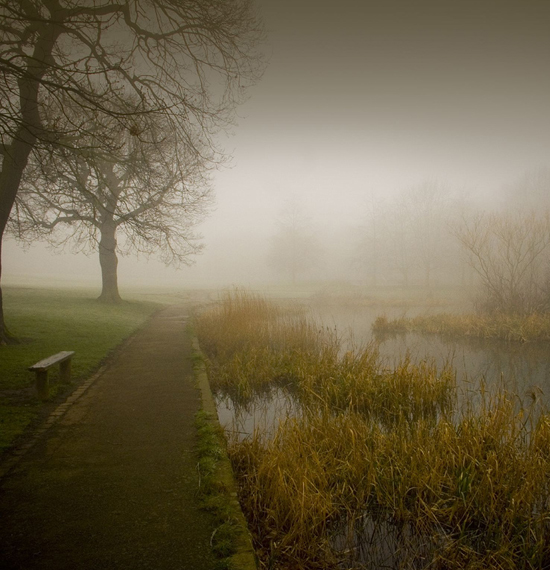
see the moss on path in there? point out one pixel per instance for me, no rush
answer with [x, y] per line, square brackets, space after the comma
[113, 483]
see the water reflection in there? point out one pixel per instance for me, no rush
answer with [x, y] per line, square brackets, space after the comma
[522, 369]
[260, 413]
[377, 542]
[367, 541]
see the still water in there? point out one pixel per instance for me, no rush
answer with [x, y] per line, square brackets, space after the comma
[521, 368]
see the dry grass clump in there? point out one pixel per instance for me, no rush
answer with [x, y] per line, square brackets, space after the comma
[256, 346]
[489, 326]
[357, 382]
[252, 343]
[240, 319]
[466, 494]
[383, 325]
[379, 469]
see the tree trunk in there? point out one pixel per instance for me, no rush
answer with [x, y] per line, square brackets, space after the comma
[16, 154]
[12, 170]
[109, 262]
[15, 161]
[5, 336]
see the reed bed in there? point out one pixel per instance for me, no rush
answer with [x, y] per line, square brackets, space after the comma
[523, 328]
[471, 494]
[379, 469]
[257, 346]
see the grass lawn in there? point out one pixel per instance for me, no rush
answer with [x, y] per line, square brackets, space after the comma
[47, 321]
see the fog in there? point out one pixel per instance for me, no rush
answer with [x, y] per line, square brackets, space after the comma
[360, 102]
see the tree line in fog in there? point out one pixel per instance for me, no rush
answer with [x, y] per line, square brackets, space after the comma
[428, 238]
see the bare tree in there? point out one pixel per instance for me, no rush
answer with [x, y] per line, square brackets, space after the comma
[511, 255]
[294, 248]
[148, 192]
[531, 191]
[370, 243]
[408, 239]
[399, 245]
[188, 61]
[429, 208]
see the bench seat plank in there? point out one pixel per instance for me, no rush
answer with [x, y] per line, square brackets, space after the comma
[51, 360]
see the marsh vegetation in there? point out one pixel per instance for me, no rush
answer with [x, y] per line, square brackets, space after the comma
[503, 326]
[369, 465]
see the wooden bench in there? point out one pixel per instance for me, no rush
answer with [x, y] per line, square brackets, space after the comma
[41, 369]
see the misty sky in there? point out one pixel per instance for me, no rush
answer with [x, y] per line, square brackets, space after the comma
[364, 98]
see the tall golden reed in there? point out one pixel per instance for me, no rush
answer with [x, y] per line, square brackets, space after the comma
[380, 468]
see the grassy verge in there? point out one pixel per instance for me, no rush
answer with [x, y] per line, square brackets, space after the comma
[379, 468]
[230, 541]
[46, 322]
[215, 484]
[534, 327]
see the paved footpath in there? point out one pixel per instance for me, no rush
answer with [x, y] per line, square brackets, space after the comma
[113, 483]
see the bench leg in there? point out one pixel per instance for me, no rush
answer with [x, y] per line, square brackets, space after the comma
[42, 385]
[65, 371]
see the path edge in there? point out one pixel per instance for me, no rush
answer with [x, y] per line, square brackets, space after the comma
[244, 557]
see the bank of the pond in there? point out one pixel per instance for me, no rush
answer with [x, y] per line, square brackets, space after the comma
[232, 539]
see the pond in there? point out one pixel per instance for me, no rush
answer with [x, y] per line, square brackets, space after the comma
[376, 540]
[520, 368]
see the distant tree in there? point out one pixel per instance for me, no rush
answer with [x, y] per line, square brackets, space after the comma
[294, 248]
[370, 245]
[459, 268]
[399, 244]
[188, 61]
[531, 191]
[429, 210]
[409, 236]
[149, 193]
[511, 255]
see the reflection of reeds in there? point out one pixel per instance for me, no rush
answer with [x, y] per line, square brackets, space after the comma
[379, 468]
[498, 326]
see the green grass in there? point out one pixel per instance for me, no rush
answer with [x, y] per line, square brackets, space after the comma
[13, 421]
[213, 491]
[47, 321]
